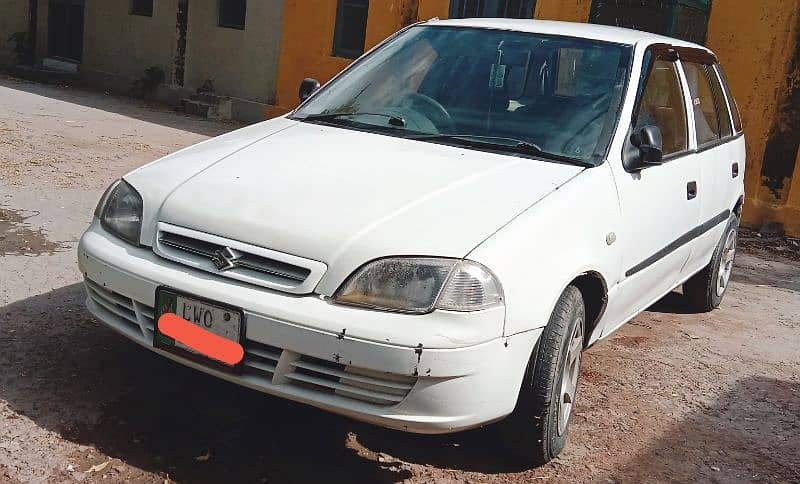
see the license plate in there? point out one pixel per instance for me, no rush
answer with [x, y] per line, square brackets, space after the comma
[219, 319]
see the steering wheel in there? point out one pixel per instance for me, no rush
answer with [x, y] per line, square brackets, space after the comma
[429, 106]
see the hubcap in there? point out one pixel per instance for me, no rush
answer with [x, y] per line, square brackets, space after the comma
[569, 377]
[726, 263]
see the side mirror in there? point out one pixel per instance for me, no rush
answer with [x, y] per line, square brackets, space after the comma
[307, 87]
[646, 149]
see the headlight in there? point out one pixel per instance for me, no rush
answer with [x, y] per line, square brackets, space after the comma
[120, 211]
[421, 284]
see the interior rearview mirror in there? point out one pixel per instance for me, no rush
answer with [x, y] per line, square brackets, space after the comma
[646, 148]
[307, 87]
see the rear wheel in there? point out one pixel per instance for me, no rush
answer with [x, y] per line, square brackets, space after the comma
[706, 289]
[537, 430]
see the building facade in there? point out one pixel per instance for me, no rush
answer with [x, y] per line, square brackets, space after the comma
[14, 25]
[228, 48]
[255, 53]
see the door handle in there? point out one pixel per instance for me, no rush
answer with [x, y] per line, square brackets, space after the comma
[691, 190]
[735, 170]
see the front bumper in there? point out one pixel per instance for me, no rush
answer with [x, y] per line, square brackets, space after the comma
[439, 384]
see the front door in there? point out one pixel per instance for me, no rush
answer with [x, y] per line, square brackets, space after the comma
[65, 30]
[660, 204]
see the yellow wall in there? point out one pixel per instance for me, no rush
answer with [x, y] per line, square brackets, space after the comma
[306, 46]
[755, 45]
[566, 10]
[791, 212]
[307, 40]
[429, 9]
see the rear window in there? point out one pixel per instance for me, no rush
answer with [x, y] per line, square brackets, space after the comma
[719, 100]
[737, 119]
[706, 121]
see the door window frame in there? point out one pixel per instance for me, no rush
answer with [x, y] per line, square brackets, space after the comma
[733, 106]
[709, 62]
[700, 56]
[669, 53]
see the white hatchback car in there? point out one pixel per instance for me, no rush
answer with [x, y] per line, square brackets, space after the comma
[431, 239]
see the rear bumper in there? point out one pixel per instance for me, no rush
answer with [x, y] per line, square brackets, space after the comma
[415, 388]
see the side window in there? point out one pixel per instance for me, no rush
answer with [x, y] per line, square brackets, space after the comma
[737, 119]
[706, 122]
[661, 104]
[351, 28]
[719, 101]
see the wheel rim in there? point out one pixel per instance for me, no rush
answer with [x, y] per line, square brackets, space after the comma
[726, 263]
[569, 377]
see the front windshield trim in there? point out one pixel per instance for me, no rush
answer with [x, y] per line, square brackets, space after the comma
[597, 158]
[390, 131]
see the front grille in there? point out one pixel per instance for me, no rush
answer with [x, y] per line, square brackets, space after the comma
[238, 260]
[126, 315]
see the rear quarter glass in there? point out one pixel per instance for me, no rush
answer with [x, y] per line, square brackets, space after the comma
[737, 119]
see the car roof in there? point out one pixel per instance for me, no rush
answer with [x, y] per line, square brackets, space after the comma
[570, 29]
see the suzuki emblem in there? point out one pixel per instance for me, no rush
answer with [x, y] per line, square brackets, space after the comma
[225, 259]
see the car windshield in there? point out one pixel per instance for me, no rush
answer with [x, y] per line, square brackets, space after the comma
[545, 95]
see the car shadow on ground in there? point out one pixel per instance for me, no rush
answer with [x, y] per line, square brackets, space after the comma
[673, 303]
[748, 434]
[72, 375]
[126, 106]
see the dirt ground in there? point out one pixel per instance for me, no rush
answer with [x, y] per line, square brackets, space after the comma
[672, 396]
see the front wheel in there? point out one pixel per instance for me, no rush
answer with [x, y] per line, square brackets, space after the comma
[537, 429]
[706, 289]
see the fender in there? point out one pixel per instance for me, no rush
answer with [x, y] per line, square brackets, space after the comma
[556, 240]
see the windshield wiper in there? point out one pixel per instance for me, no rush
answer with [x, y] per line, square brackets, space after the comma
[500, 143]
[396, 121]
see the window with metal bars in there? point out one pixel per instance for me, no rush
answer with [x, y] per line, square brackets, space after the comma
[682, 19]
[351, 28]
[492, 8]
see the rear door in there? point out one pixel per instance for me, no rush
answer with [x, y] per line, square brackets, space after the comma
[716, 156]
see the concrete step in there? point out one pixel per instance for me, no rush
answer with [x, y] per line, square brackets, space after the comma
[42, 74]
[219, 108]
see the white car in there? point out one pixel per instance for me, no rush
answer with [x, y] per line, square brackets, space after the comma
[430, 240]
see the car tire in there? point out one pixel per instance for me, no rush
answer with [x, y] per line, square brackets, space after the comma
[706, 289]
[536, 431]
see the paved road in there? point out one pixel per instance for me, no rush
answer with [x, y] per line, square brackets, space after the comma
[671, 396]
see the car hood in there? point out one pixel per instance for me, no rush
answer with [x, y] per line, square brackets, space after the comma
[343, 197]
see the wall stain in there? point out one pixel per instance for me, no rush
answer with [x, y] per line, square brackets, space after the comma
[409, 12]
[783, 140]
